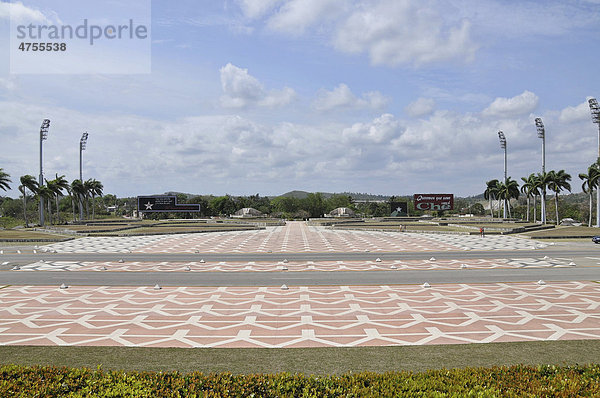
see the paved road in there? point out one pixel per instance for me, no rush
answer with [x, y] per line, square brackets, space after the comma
[278, 278]
[561, 251]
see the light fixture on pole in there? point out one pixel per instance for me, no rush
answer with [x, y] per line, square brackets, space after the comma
[43, 136]
[542, 134]
[82, 146]
[595, 109]
[502, 138]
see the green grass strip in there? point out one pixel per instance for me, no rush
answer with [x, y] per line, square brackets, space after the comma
[308, 360]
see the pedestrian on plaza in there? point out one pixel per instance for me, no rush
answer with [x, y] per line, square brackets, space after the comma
[481, 232]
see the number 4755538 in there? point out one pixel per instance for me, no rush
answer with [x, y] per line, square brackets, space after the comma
[42, 46]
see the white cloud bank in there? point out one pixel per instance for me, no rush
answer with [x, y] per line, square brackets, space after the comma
[443, 151]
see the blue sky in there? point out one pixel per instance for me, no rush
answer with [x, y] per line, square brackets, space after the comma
[265, 96]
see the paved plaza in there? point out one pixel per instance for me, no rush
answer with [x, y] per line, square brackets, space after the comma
[294, 237]
[298, 316]
[331, 316]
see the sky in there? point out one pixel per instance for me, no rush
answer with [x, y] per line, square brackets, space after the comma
[391, 97]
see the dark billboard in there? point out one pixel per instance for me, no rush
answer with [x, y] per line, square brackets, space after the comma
[163, 203]
[434, 201]
[398, 209]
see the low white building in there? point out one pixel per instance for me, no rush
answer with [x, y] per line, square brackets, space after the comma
[341, 212]
[247, 212]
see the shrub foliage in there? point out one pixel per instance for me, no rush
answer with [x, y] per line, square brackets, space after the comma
[515, 381]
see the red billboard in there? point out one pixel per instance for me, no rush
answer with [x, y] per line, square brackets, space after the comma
[434, 201]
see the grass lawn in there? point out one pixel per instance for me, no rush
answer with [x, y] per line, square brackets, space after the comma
[10, 234]
[408, 227]
[583, 232]
[95, 227]
[166, 229]
[308, 360]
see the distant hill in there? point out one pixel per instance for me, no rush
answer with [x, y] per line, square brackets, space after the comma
[295, 194]
[354, 195]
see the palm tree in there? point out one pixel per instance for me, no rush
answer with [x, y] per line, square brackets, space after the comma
[88, 187]
[4, 180]
[78, 190]
[27, 182]
[47, 194]
[590, 182]
[529, 189]
[52, 187]
[536, 192]
[491, 192]
[57, 186]
[559, 181]
[543, 181]
[71, 196]
[96, 188]
[507, 191]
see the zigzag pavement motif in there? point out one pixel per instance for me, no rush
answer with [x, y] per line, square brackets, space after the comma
[327, 316]
[293, 237]
[294, 266]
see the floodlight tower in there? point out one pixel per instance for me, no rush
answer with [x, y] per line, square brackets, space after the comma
[502, 138]
[542, 134]
[43, 136]
[82, 146]
[595, 109]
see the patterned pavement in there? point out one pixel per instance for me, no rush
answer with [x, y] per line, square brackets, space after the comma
[295, 266]
[309, 316]
[325, 316]
[294, 237]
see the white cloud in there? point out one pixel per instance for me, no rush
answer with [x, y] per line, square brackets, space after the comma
[420, 107]
[242, 89]
[257, 8]
[396, 32]
[381, 130]
[342, 97]
[295, 16]
[575, 113]
[20, 13]
[521, 104]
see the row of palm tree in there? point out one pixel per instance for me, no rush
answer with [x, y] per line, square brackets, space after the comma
[504, 191]
[533, 186]
[54, 189]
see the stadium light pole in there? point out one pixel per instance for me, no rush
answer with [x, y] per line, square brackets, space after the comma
[82, 146]
[595, 109]
[502, 138]
[43, 136]
[542, 134]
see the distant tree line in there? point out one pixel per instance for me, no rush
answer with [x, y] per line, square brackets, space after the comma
[69, 201]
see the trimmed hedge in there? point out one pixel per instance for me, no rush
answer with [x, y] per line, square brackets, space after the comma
[514, 381]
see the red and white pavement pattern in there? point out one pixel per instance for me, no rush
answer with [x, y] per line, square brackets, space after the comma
[296, 266]
[293, 237]
[329, 316]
